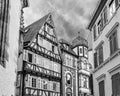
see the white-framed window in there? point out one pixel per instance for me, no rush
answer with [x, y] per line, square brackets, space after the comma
[112, 8]
[101, 88]
[34, 82]
[80, 50]
[98, 56]
[113, 42]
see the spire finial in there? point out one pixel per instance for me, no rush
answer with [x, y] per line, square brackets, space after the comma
[78, 33]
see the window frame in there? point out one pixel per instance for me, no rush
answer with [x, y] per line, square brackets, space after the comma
[98, 55]
[4, 21]
[111, 41]
[34, 82]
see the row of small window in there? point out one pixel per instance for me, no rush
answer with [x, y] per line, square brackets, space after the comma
[83, 81]
[41, 61]
[70, 60]
[115, 86]
[105, 16]
[113, 43]
[84, 65]
[48, 33]
[81, 51]
[46, 44]
[41, 83]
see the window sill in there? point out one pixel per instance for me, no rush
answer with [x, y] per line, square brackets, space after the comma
[117, 53]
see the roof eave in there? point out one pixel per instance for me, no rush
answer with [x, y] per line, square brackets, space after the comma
[96, 13]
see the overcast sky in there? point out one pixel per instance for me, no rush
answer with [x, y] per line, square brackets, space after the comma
[70, 16]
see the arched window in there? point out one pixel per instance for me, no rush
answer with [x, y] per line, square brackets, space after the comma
[68, 79]
[68, 92]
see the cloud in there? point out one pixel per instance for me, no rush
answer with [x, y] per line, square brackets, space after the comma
[70, 16]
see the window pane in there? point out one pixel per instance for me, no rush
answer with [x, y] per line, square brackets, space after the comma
[95, 60]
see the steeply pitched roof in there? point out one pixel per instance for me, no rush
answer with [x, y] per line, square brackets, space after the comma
[34, 28]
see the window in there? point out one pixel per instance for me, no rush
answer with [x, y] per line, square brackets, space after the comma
[85, 85]
[30, 57]
[98, 56]
[33, 82]
[54, 86]
[44, 84]
[101, 88]
[68, 79]
[116, 84]
[117, 3]
[4, 11]
[85, 52]
[113, 42]
[105, 15]
[80, 51]
[99, 26]
[68, 92]
[94, 32]
[112, 8]
[85, 64]
[53, 48]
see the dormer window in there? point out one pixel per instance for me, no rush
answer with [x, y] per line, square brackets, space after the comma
[80, 51]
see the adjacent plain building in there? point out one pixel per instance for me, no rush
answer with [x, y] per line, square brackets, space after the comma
[10, 11]
[105, 30]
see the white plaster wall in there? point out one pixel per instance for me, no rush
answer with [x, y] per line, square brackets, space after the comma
[8, 74]
[114, 62]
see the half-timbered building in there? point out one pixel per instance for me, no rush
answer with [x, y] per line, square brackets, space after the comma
[69, 69]
[39, 71]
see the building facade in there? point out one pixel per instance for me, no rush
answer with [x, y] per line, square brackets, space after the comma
[10, 11]
[39, 70]
[80, 47]
[69, 69]
[105, 30]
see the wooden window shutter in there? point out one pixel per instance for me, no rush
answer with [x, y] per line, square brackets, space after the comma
[101, 89]
[100, 54]
[116, 84]
[95, 60]
[116, 3]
